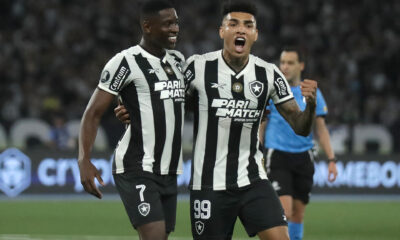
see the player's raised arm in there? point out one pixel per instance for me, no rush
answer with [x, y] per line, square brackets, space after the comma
[301, 121]
[97, 105]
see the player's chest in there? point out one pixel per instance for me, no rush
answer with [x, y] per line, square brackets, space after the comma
[160, 80]
[240, 98]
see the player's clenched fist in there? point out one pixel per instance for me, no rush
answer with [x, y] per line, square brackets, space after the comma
[309, 90]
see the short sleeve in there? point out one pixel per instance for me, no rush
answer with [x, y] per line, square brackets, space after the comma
[281, 91]
[322, 108]
[114, 75]
[189, 74]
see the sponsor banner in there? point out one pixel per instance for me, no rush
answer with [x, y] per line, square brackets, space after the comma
[365, 174]
[55, 172]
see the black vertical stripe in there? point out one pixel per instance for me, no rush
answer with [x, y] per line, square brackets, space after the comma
[210, 77]
[194, 101]
[177, 139]
[135, 151]
[252, 168]
[158, 111]
[235, 133]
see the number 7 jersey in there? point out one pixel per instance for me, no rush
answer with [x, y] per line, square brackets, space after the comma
[228, 110]
[153, 91]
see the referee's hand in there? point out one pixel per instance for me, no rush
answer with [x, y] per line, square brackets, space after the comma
[332, 171]
[122, 114]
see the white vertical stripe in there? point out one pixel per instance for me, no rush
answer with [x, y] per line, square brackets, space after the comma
[269, 155]
[224, 126]
[169, 136]
[199, 151]
[180, 163]
[121, 150]
[146, 116]
[221, 153]
[244, 155]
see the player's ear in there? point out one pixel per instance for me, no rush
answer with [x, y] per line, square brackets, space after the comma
[256, 35]
[146, 27]
[221, 32]
[301, 66]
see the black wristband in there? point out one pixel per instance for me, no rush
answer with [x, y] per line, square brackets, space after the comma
[332, 160]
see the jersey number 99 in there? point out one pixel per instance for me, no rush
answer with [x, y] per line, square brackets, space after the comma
[202, 209]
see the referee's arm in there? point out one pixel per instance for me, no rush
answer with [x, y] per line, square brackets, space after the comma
[95, 109]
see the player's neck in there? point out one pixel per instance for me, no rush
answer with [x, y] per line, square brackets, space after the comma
[295, 82]
[150, 48]
[236, 63]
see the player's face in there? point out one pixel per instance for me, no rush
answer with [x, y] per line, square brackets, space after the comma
[239, 32]
[290, 65]
[163, 29]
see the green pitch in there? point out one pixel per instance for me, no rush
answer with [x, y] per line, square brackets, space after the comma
[106, 220]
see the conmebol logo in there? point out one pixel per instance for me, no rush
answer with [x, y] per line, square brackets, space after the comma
[15, 172]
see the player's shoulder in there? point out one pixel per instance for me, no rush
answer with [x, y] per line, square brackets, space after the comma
[119, 57]
[177, 55]
[210, 56]
[263, 63]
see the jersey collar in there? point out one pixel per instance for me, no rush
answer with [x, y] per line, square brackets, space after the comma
[230, 70]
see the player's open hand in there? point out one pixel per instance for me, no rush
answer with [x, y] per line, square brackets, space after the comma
[332, 172]
[309, 90]
[88, 173]
[122, 114]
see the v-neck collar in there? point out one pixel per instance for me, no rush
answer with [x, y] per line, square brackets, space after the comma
[146, 54]
[231, 70]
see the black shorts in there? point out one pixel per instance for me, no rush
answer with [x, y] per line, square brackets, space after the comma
[291, 173]
[213, 213]
[148, 198]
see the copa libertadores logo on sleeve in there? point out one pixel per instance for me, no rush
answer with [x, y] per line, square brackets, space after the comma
[15, 172]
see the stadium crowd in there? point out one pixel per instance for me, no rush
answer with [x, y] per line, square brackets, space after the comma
[52, 52]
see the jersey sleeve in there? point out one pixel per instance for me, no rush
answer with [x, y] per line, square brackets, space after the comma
[322, 108]
[190, 74]
[281, 91]
[115, 74]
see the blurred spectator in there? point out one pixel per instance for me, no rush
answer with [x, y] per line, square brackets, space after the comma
[60, 137]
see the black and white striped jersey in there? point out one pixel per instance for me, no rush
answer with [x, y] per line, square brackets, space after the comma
[153, 91]
[229, 107]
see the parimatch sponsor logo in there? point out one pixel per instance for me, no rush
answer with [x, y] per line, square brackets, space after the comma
[172, 89]
[238, 110]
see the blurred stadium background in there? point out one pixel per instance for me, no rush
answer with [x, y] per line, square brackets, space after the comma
[51, 56]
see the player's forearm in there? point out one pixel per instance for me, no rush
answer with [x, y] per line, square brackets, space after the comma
[87, 135]
[261, 131]
[303, 121]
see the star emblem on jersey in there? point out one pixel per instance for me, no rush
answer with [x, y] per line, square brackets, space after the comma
[199, 227]
[168, 70]
[237, 87]
[256, 88]
[144, 209]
